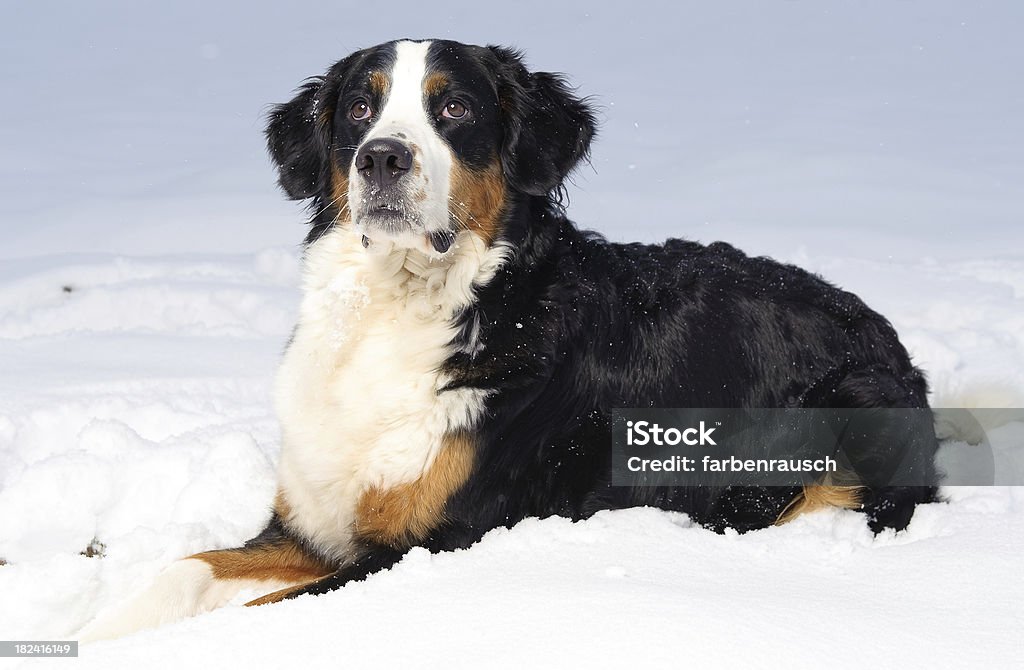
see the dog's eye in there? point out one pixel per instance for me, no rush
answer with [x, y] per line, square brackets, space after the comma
[360, 111]
[454, 109]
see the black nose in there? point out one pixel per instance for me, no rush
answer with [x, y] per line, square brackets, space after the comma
[383, 161]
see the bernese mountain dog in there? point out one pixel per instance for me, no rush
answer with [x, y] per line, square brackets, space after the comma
[461, 344]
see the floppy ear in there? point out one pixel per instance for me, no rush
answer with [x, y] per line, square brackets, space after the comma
[547, 128]
[299, 139]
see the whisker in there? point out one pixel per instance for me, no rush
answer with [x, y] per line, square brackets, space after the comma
[324, 208]
[330, 226]
[466, 212]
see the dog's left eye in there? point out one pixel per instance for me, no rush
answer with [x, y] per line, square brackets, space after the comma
[454, 109]
[360, 110]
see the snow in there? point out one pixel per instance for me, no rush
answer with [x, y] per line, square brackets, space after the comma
[879, 148]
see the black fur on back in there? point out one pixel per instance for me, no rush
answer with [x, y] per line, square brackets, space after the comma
[575, 327]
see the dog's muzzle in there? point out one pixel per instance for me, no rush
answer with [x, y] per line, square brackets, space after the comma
[388, 204]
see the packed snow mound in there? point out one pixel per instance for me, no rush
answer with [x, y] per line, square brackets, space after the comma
[103, 294]
[642, 584]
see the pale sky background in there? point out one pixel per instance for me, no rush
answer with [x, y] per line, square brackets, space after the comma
[785, 127]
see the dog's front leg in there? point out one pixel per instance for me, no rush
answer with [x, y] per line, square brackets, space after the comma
[372, 560]
[372, 557]
[202, 582]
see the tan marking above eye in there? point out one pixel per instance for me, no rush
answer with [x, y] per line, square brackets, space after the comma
[379, 83]
[435, 83]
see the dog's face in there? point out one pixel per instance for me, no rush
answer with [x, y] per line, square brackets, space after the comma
[417, 142]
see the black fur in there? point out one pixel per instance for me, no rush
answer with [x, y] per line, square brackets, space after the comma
[299, 144]
[573, 326]
[673, 325]
[547, 129]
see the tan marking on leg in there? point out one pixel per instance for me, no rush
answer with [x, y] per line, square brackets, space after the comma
[285, 561]
[831, 492]
[401, 515]
[478, 199]
[283, 594]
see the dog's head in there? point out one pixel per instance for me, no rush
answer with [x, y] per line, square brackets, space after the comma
[416, 142]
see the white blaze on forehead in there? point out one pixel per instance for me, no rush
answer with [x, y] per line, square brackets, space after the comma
[405, 118]
[404, 104]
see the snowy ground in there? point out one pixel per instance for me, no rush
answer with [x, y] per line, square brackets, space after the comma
[148, 284]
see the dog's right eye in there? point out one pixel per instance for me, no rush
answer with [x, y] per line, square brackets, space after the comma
[360, 111]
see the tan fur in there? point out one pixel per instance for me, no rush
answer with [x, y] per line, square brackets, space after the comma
[379, 83]
[339, 193]
[831, 492]
[435, 83]
[278, 596]
[403, 514]
[281, 506]
[283, 562]
[417, 168]
[478, 199]
[326, 117]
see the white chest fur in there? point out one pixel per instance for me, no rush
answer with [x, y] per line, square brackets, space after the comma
[357, 394]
